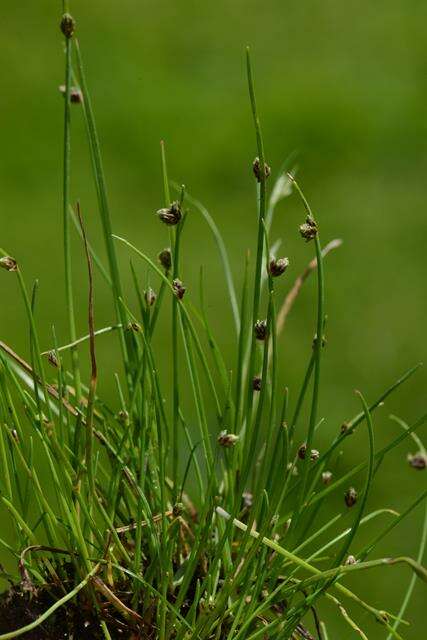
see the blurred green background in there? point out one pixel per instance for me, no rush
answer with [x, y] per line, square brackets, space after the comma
[342, 84]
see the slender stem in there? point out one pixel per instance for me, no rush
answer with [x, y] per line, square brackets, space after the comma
[78, 341]
[66, 216]
[411, 586]
[174, 240]
[94, 372]
[104, 209]
[261, 192]
[369, 479]
[317, 351]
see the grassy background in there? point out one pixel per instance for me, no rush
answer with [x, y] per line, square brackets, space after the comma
[343, 85]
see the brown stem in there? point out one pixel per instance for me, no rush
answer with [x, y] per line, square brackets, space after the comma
[94, 371]
[293, 293]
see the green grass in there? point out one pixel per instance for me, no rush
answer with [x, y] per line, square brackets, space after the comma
[196, 510]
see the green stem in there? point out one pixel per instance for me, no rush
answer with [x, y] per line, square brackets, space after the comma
[317, 348]
[411, 586]
[66, 217]
[174, 241]
[104, 209]
[260, 246]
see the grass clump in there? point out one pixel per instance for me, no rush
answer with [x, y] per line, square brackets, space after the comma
[130, 524]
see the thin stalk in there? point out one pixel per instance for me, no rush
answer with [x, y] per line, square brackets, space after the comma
[104, 209]
[78, 341]
[261, 193]
[174, 240]
[94, 371]
[317, 349]
[66, 217]
[369, 479]
[223, 254]
[411, 586]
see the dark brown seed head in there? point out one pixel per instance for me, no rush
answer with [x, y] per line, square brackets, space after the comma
[256, 383]
[278, 267]
[315, 341]
[302, 451]
[170, 215]
[256, 167]
[308, 230]
[178, 509]
[165, 259]
[418, 460]
[350, 497]
[150, 297]
[260, 329]
[8, 263]
[227, 440]
[76, 96]
[52, 359]
[68, 25]
[134, 326]
[178, 288]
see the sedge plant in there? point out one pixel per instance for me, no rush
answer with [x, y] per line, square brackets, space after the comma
[162, 522]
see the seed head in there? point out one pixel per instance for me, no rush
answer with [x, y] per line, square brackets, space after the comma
[260, 329]
[302, 451]
[178, 288]
[278, 267]
[256, 167]
[52, 359]
[8, 263]
[68, 25]
[171, 215]
[76, 96]
[418, 460]
[165, 259]
[350, 497]
[256, 383]
[345, 428]
[150, 297]
[327, 477]
[178, 509]
[134, 326]
[123, 416]
[308, 230]
[315, 341]
[227, 440]
[248, 499]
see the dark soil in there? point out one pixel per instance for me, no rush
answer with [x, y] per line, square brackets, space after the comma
[19, 608]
